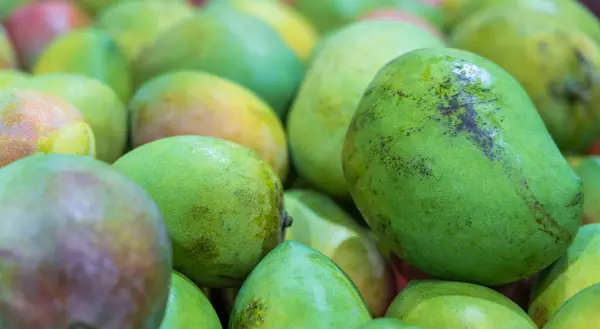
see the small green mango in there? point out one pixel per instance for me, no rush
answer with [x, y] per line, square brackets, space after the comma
[456, 305]
[297, 287]
[188, 307]
[339, 73]
[223, 205]
[9, 77]
[589, 171]
[576, 270]
[386, 323]
[448, 160]
[579, 312]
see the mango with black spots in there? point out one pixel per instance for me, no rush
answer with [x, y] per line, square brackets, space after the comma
[234, 45]
[222, 203]
[90, 52]
[558, 66]
[386, 323]
[456, 305]
[575, 271]
[589, 171]
[200, 103]
[579, 312]
[322, 225]
[341, 69]
[99, 104]
[297, 287]
[8, 58]
[446, 149]
[87, 249]
[33, 122]
[188, 306]
[10, 76]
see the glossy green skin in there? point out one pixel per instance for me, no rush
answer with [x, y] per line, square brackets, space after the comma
[188, 307]
[386, 323]
[9, 77]
[456, 305]
[237, 46]
[556, 64]
[8, 58]
[576, 270]
[223, 205]
[589, 171]
[135, 25]
[439, 164]
[73, 233]
[89, 52]
[297, 287]
[579, 312]
[344, 66]
[99, 104]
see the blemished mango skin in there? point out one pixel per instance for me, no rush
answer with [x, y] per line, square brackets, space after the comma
[386, 323]
[11, 76]
[589, 171]
[447, 150]
[199, 103]
[579, 312]
[557, 65]
[8, 58]
[297, 287]
[222, 203]
[90, 52]
[456, 305]
[322, 225]
[34, 122]
[576, 270]
[342, 68]
[73, 252]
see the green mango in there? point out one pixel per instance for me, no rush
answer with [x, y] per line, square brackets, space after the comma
[579, 312]
[188, 307]
[386, 323]
[222, 203]
[99, 104]
[576, 270]
[234, 45]
[90, 52]
[456, 305]
[9, 77]
[448, 160]
[420, 8]
[135, 25]
[339, 73]
[557, 65]
[589, 171]
[297, 287]
[322, 225]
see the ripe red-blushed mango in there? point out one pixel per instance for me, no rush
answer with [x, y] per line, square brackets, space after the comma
[8, 57]
[34, 26]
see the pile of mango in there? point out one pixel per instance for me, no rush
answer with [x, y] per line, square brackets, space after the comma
[300, 164]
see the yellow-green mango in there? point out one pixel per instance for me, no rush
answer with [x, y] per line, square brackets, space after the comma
[297, 287]
[8, 58]
[90, 52]
[322, 225]
[448, 161]
[341, 70]
[558, 66]
[135, 25]
[386, 323]
[10, 76]
[435, 304]
[188, 307]
[222, 203]
[589, 171]
[579, 312]
[99, 104]
[576, 270]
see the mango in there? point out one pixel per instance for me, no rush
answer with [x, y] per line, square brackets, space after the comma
[456, 305]
[322, 225]
[34, 26]
[322, 296]
[338, 75]
[88, 52]
[8, 58]
[589, 171]
[557, 65]
[437, 155]
[10, 76]
[99, 104]
[223, 205]
[188, 307]
[234, 45]
[33, 122]
[91, 251]
[135, 25]
[199, 103]
[430, 11]
[386, 323]
[579, 312]
[576, 270]
[395, 14]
